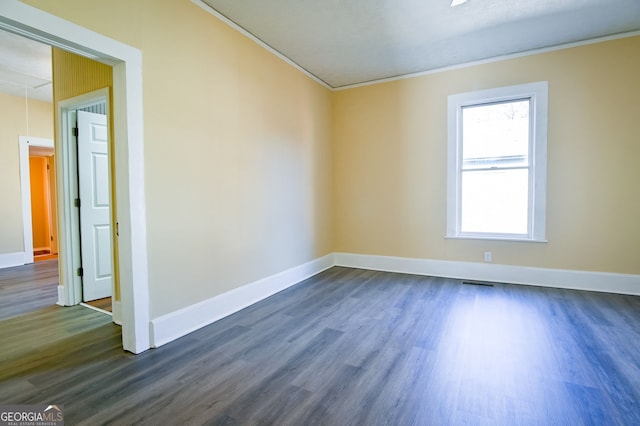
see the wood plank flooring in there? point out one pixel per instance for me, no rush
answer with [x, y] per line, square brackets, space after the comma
[28, 288]
[347, 347]
[104, 303]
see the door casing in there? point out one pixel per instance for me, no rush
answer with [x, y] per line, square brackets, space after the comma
[33, 23]
[70, 223]
[24, 142]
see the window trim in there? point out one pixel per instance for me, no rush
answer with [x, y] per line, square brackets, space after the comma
[537, 92]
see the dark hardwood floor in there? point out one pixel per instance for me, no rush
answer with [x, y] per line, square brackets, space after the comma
[104, 304]
[346, 347]
[27, 288]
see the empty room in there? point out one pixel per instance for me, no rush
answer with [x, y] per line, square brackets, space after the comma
[334, 213]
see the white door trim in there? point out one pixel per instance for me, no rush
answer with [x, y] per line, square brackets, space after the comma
[126, 61]
[25, 189]
[67, 174]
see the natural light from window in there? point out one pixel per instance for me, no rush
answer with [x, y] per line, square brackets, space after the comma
[496, 170]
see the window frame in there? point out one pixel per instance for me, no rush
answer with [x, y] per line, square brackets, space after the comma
[537, 93]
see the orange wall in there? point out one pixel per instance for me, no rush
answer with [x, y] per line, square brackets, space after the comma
[39, 202]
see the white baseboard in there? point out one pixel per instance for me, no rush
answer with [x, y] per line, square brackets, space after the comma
[491, 272]
[62, 296]
[179, 323]
[116, 310]
[8, 260]
[176, 324]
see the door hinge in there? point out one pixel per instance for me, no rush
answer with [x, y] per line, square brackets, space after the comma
[47, 167]
[75, 131]
[80, 272]
[51, 238]
[76, 202]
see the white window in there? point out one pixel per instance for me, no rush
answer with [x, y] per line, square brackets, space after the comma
[496, 182]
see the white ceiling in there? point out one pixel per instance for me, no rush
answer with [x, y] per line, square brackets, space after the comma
[25, 66]
[342, 43]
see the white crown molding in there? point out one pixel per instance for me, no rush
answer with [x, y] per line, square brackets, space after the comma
[259, 42]
[280, 55]
[490, 60]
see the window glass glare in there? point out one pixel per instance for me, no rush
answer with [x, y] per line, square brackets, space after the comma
[495, 201]
[496, 135]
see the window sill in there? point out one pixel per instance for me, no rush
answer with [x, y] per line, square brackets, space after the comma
[495, 238]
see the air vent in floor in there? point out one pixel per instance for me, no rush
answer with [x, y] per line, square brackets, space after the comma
[481, 283]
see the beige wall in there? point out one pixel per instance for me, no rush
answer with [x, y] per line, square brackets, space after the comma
[238, 161]
[252, 168]
[390, 162]
[13, 123]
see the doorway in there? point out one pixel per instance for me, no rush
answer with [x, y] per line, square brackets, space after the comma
[38, 149]
[43, 203]
[86, 181]
[126, 62]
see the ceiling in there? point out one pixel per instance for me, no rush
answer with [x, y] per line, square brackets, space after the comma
[342, 43]
[25, 66]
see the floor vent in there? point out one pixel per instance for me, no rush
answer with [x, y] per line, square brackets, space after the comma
[482, 283]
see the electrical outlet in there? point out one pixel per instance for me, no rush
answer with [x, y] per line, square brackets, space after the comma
[488, 256]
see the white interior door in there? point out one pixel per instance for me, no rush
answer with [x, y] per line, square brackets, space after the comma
[95, 212]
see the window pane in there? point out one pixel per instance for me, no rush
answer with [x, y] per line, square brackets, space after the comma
[495, 135]
[495, 201]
